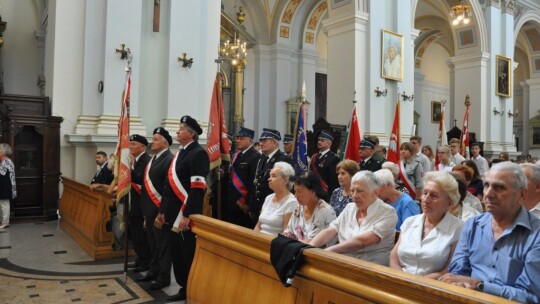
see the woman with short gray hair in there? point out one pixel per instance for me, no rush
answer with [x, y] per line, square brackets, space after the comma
[278, 206]
[366, 228]
[8, 188]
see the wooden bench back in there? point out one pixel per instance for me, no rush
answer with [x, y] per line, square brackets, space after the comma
[232, 265]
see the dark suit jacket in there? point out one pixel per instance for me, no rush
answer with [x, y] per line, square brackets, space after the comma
[158, 176]
[245, 167]
[371, 165]
[104, 176]
[262, 190]
[137, 177]
[191, 162]
[326, 168]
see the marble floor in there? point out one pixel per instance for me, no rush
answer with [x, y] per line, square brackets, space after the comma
[40, 263]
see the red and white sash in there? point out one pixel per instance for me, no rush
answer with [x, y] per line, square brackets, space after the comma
[152, 192]
[136, 187]
[179, 191]
[406, 181]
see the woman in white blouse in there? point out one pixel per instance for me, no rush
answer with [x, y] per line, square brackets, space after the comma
[428, 240]
[278, 206]
[365, 229]
[314, 214]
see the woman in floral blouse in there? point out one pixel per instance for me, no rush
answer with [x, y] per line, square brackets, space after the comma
[342, 195]
[313, 214]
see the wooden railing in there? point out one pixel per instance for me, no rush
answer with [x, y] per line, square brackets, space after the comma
[84, 214]
[232, 265]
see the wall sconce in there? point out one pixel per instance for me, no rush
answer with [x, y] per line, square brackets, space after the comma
[515, 114]
[406, 97]
[123, 51]
[497, 112]
[380, 93]
[186, 62]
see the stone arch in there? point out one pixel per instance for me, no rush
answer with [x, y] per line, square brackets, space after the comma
[312, 27]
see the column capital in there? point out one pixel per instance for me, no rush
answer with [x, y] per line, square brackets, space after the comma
[340, 24]
[472, 59]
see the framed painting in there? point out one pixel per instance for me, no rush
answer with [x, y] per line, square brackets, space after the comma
[435, 111]
[392, 56]
[504, 76]
[466, 37]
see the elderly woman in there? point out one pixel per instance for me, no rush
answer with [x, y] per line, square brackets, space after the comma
[8, 189]
[460, 210]
[445, 164]
[466, 175]
[427, 241]
[365, 229]
[394, 168]
[341, 196]
[314, 214]
[405, 206]
[278, 206]
[412, 177]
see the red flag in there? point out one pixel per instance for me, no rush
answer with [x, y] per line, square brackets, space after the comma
[122, 168]
[353, 139]
[395, 142]
[465, 134]
[218, 147]
[442, 140]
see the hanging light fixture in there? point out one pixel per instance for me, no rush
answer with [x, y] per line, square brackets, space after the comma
[235, 51]
[461, 13]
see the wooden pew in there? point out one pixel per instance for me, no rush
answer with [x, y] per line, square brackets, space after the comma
[232, 264]
[84, 214]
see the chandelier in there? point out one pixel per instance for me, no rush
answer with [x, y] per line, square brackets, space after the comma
[461, 13]
[235, 51]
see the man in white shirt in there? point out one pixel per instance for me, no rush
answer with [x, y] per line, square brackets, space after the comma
[455, 157]
[532, 199]
[416, 141]
[481, 163]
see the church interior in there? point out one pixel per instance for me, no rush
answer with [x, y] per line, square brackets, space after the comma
[62, 76]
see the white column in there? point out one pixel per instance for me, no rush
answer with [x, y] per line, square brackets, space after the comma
[531, 92]
[308, 67]
[347, 62]
[262, 104]
[189, 90]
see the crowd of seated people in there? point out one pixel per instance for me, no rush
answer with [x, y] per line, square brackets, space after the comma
[447, 234]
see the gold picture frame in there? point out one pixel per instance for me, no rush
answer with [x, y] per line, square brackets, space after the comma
[436, 110]
[392, 55]
[503, 84]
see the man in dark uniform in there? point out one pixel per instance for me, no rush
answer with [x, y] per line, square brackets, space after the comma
[377, 155]
[243, 169]
[138, 161]
[104, 176]
[155, 177]
[288, 144]
[324, 162]
[271, 154]
[367, 151]
[183, 196]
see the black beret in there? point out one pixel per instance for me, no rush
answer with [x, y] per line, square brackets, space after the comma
[192, 123]
[139, 138]
[161, 131]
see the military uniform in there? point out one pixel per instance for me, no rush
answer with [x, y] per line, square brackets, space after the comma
[152, 190]
[135, 218]
[371, 164]
[243, 169]
[325, 167]
[183, 196]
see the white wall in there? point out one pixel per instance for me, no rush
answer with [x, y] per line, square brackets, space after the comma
[434, 64]
[19, 53]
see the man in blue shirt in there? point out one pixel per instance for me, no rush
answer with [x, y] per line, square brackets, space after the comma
[499, 251]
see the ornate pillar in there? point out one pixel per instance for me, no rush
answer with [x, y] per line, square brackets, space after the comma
[238, 96]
